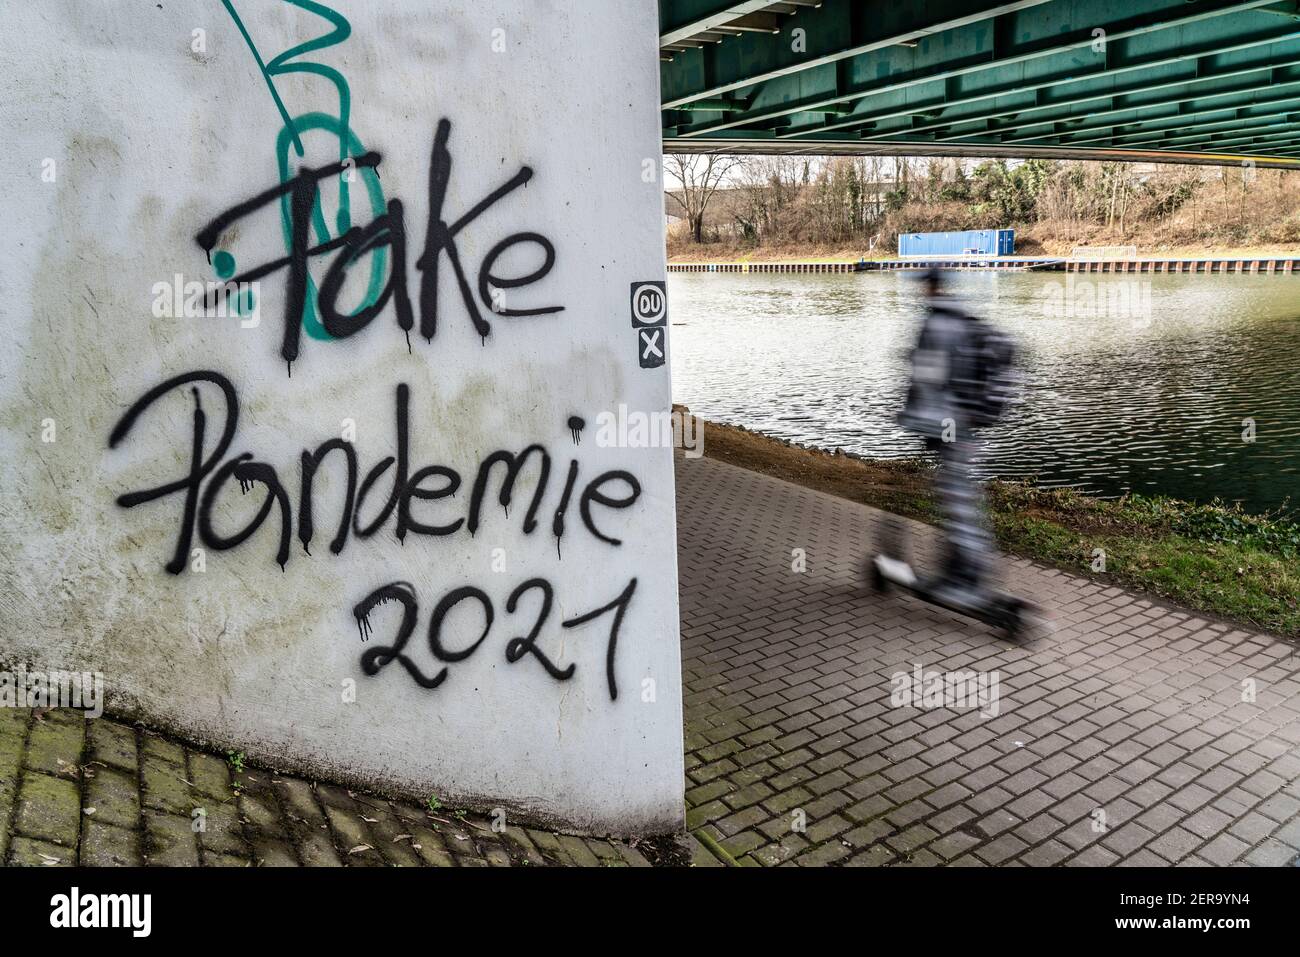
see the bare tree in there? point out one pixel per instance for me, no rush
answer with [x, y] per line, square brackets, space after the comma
[698, 176]
[765, 186]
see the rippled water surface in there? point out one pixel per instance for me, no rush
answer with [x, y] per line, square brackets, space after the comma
[1132, 384]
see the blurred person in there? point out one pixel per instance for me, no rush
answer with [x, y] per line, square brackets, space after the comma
[963, 377]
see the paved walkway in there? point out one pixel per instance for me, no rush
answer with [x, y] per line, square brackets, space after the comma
[1121, 738]
[104, 793]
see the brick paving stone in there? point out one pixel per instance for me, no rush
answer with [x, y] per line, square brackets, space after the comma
[332, 796]
[49, 809]
[1272, 853]
[704, 814]
[55, 743]
[875, 856]
[165, 787]
[113, 744]
[1289, 833]
[1047, 854]
[956, 844]
[30, 852]
[1143, 858]
[155, 746]
[13, 733]
[741, 844]
[744, 797]
[1224, 850]
[261, 811]
[353, 837]
[271, 853]
[578, 851]
[788, 800]
[103, 845]
[735, 823]
[1279, 807]
[523, 848]
[701, 856]
[170, 840]
[1208, 822]
[707, 792]
[823, 854]
[393, 836]
[1094, 856]
[1002, 849]
[209, 774]
[318, 850]
[868, 833]
[782, 851]
[548, 845]
[1127, 839]
[299, 800]
[222, 833]
[631, 855]
[1175, 844]
[826, 828]
[115, 798]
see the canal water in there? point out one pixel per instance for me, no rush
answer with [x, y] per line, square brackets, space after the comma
[1179, 385]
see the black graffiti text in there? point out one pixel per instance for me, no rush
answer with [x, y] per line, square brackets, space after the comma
[392, 493]
[375, 658]
[386, 230]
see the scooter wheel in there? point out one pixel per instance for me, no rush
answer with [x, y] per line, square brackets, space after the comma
[878, 581]
[1013, 620]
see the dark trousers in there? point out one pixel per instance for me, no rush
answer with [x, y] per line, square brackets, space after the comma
[961, 501]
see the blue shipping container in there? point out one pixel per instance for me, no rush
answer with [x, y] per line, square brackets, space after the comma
[971, 242]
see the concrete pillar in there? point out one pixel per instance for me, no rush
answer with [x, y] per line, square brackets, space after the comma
[300, 657]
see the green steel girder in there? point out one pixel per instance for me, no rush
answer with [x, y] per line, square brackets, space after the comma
[1038, 46]
[1263, 133]
[1175, 101]
[1140, 86]
[1255, 147]
[679, 21]
[835, 30]
[1221, 137]
[1265, 109]
[833, 146]
[961, 77]
[1174, 114]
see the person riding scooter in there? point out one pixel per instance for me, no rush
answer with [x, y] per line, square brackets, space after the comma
[962, 379]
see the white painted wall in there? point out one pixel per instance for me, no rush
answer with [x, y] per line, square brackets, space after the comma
[150, 138]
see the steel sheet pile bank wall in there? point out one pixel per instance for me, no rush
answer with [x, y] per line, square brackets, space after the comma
[314, 314]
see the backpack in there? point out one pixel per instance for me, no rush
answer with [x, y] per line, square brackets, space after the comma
[996, 383]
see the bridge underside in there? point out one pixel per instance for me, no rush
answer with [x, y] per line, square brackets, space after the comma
[1185, 81]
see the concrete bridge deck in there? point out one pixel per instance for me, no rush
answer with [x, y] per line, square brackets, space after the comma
[1122, 738]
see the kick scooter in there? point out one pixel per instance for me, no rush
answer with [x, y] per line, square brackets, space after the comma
[1007, 613]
